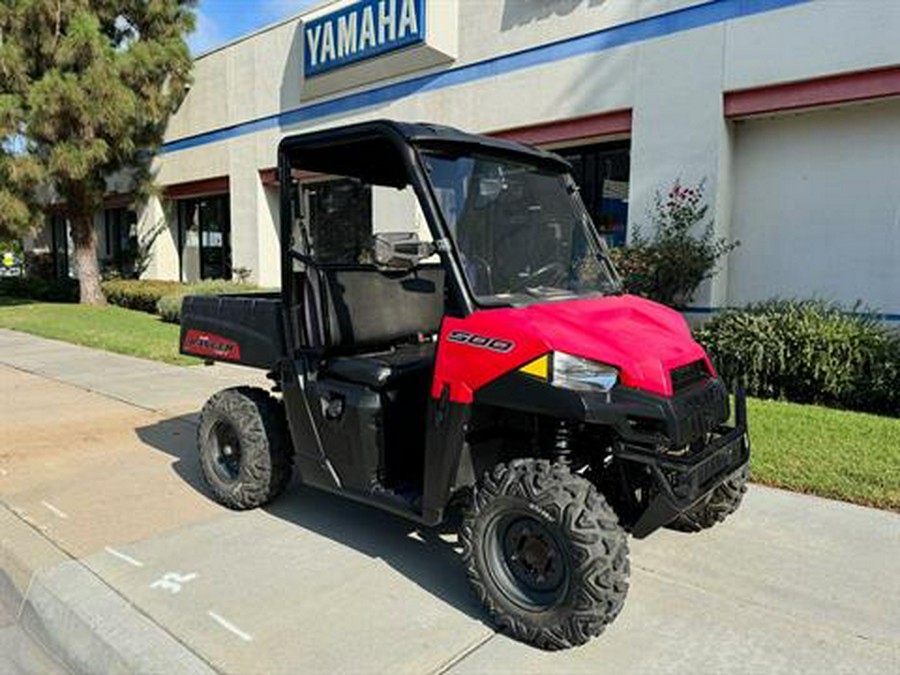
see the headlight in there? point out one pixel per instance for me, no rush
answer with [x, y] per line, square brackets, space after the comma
[573, 372]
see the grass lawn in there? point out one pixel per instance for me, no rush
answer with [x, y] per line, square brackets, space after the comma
[831, 453]
[111, 328]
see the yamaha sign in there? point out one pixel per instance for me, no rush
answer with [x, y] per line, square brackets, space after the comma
[361, 31]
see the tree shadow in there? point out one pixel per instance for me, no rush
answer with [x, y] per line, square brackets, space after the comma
[517, 13]
[429, 557]
[13, 301]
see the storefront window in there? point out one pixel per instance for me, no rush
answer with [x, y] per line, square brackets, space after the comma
[602, 172]
[204, 226]
[59, 245]
[120, 230]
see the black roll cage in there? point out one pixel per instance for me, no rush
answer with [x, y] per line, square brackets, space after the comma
[448, 462]
[407, 139]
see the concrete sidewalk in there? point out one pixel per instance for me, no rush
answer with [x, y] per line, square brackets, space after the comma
[115, 559]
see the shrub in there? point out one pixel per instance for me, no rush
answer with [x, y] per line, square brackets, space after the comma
[45, 290]
[40, 266]
[142, 295]
[670, 265]
[169, 306]
[808, 352]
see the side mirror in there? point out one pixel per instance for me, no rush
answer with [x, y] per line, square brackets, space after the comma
[400, 250]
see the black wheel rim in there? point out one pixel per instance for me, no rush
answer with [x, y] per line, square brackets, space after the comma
[528, 560]
[226, 453]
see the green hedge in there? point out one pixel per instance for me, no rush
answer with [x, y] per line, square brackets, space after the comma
[139, 294]
[808, 352]
[45, 290]
[148, 295]
[169, 306]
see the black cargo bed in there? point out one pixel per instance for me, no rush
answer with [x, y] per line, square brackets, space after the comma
[246, 329]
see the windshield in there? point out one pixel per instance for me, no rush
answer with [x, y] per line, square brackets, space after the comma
[521, 232]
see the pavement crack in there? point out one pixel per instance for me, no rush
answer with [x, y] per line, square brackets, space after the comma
[746, 602]
[91, 390]
[462, 655]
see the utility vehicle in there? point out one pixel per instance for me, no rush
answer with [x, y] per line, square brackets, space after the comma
[473, 349]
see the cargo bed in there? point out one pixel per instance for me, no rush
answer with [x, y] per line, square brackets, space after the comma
[246, 329]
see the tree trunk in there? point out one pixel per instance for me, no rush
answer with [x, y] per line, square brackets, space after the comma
[85, 239]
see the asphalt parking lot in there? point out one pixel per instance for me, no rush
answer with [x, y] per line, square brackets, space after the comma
[113, 557]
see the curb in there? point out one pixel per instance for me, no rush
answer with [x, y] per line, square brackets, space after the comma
[79, 619]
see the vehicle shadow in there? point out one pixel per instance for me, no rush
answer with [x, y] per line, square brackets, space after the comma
[428, 557]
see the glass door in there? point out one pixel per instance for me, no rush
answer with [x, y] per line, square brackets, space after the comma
[215, 238]
[204, 226]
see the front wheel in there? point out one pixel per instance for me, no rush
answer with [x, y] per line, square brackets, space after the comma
[723, 501]
[545, 553]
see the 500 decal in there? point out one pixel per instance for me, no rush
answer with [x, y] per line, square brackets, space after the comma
[494, 344]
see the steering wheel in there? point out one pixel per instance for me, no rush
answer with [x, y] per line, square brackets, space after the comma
[551, 274]
[480, 274]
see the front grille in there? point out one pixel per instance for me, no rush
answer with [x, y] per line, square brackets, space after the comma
[701, 410]
[687, 376]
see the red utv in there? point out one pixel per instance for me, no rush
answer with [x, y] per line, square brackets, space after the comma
[495, 363]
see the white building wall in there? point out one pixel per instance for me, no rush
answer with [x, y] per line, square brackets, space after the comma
[674, 85]
[246, 197]
[811, 40]
[396, 210]
[817, 207]
[268, 248]
[164, 254]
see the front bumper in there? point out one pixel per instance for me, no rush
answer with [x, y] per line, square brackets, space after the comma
[682, 482]
[649, 430]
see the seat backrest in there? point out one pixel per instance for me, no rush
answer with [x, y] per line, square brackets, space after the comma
[363, 307]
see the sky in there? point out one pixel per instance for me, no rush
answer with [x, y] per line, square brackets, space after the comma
[220, 21]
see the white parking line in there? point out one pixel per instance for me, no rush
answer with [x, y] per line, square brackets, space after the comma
[227, 625]
[122, 556]
[55, 511]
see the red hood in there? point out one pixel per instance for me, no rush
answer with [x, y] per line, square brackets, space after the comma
[643, 339]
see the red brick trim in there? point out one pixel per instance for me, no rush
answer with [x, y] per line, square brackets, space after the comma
[822, 91]
[118, 200]
[198, 188]
[603, 124]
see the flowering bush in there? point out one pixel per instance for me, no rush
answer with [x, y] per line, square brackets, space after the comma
[671, 264]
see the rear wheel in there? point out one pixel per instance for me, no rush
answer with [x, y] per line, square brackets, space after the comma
[545, 553]
[245, 453]
[723, 501]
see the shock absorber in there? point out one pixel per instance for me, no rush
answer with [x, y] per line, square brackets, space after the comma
[562, 442]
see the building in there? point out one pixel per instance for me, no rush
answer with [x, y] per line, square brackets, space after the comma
[788, 109]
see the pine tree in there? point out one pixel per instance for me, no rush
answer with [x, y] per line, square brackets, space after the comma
[86, 89]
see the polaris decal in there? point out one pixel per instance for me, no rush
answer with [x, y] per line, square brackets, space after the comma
[481, 341]
[214, 346]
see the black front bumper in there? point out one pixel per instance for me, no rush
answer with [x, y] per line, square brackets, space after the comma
[683, 481]
[681, 441]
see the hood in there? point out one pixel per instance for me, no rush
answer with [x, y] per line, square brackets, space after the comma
[643, 339]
